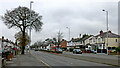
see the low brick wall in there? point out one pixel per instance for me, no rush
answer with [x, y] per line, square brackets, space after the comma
[114, 53]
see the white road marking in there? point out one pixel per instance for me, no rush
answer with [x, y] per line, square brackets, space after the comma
[41, 61]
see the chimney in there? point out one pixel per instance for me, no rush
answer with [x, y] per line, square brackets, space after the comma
[2, 38]
[10, 41]
[72, 39]
[101, 32]
[7, 40]
[63, 40]
[109, 31]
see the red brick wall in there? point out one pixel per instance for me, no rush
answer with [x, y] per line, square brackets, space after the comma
[64, 44]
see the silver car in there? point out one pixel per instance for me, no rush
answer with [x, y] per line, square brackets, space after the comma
[77, 51]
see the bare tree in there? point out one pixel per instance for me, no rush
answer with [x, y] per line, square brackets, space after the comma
[20, 18]
[60, 36]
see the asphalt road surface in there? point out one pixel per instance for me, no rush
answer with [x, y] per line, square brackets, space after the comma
[56, 60]
[98, 55]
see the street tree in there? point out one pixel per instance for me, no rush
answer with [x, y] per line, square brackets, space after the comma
[22, 18]
[59, 36]
[18, 36]
[50, 41]
[54, 41]
[35, 44]
[85, 35]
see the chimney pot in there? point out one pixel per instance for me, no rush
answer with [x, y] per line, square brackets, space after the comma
[109, 31]
[101, 32]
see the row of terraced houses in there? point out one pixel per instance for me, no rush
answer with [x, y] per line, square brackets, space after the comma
[92, 42]
[98, 42]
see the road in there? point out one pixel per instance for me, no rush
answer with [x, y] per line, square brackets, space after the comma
[56, 60]
[98, 55]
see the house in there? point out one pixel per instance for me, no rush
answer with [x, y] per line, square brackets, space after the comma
[7, 44]
[113, 39]
[71, 44]
[101, 40]
[63, 44]
[77, 43]
[90, 42]
[81, 43]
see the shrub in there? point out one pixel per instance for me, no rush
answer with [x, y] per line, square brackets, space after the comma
[57, 52]
[64, 48]
[71, 49]
[117, 49]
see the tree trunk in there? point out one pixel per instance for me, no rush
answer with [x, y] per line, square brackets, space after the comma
[23, 48]
[23, 42]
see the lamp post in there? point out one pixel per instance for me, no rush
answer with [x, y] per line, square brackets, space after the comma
[30, 25]
[107, 27]
[69, 31]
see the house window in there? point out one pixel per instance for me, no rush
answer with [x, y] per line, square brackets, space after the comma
[90, 41]
[116, 40]
[81, 42]
[98, 39]
[102, 39]
[93, 40]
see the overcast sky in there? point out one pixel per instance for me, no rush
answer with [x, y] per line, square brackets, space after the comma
[82, 16]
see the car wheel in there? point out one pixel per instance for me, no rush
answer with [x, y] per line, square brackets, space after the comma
[73, 52]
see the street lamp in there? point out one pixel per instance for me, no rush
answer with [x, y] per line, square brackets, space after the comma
[30, 23]
[69, 32]
[107, 27]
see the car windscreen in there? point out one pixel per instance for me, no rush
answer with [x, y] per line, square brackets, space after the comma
[59, 49]
[77, 50]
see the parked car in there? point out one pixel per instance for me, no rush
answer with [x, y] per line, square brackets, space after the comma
[60, 50]
[77, 51]
[44, 49]
[36, 49]
[93, 51]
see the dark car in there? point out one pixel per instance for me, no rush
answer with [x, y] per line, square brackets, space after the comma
[93, 51]
[36, 49]
[77, 51]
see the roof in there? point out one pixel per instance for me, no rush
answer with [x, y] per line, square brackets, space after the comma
[80, 39]
[110, 35]
[86, 37]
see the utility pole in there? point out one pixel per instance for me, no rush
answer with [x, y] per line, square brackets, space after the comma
[30, 23]
[107, 27]
[69, 32]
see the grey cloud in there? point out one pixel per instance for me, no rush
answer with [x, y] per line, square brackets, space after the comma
[80, 17]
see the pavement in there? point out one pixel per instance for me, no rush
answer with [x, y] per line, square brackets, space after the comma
[24, 61]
